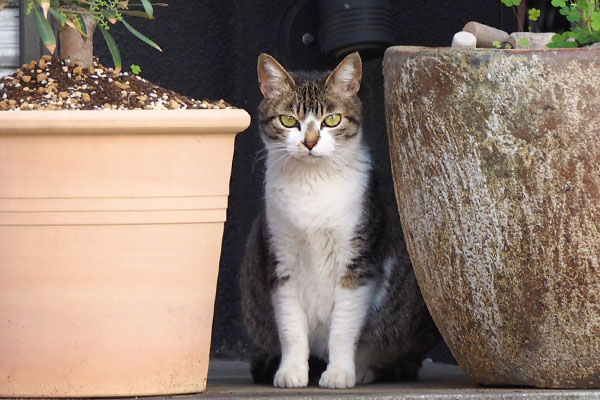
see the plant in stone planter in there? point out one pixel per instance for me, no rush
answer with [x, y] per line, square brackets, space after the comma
[584, 15]
[110, 226]
[495, 159]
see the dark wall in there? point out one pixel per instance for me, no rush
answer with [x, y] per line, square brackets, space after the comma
[210, 51]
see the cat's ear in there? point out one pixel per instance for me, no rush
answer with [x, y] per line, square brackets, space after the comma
[345, 78]
[273, 78]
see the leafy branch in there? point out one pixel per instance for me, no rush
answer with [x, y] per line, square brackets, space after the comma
[104, 13]
[584, 16]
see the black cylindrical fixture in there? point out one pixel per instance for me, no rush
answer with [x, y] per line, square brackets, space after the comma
[355, 25]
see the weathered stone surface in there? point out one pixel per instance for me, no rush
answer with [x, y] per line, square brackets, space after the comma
[534, 40]
[496, 160]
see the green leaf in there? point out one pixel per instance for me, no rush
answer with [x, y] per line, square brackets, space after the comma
[524, 42]
[534, 14]
[559, 3]
[139, 14]
[497, 44]
[135, 69]
[153, 4]
[560, 41]
[511, 3]
[584, 6]
[78, 20]
[44, 29]
[148, 8]
[112, 47]
[109, 13]
[596, 21]
[140, 36]
[61, 18]
[574, 17]
[562, 45]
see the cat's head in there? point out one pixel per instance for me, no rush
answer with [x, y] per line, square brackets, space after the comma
[310, 116]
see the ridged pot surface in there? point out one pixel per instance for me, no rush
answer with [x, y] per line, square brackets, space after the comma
[111, 226]
[496, 161]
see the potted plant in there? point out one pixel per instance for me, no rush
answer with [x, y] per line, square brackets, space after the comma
[110, 224]
[495, 158]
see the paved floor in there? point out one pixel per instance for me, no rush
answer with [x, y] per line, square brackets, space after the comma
[231, 380]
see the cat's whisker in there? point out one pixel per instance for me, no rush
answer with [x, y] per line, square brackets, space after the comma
[263, 154]
[335, 161]
[284, 156]
[287, 160]
[339, 161]
[271, 152]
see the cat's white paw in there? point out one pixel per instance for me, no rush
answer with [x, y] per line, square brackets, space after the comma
[337, 378]
[291, 377]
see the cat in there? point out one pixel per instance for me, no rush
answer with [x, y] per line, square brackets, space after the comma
[326, 280]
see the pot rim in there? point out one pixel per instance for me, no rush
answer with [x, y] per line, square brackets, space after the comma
[418, 49]
[123, 122]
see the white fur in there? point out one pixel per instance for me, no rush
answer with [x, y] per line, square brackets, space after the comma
[313, 203]
[388, 265]
[346, 73]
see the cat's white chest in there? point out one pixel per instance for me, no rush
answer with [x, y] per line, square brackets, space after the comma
[312, 220]
[316, 202]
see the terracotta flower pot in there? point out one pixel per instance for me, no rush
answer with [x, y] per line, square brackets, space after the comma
[496, 161]
[110, 234]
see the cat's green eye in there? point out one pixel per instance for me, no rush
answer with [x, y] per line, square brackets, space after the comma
[288, 121]
[332, 120]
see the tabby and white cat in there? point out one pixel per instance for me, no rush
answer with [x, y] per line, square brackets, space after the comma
[326, 274]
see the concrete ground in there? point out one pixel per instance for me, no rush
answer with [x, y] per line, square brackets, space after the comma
[231, 380]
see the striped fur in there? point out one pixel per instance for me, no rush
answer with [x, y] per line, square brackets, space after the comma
[326, 274]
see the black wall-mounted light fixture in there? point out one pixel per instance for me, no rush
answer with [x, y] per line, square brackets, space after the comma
[315, 34]
[355, 25]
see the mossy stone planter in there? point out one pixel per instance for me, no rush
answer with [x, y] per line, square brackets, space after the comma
[110, 236]
[496, 161]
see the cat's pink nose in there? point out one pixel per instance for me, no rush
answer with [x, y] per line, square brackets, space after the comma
[310, 144]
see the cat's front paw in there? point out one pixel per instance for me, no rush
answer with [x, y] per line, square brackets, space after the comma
[337, 378]
[291, 377]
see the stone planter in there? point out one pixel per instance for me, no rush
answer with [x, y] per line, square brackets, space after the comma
[110, 235]
[496, 161]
